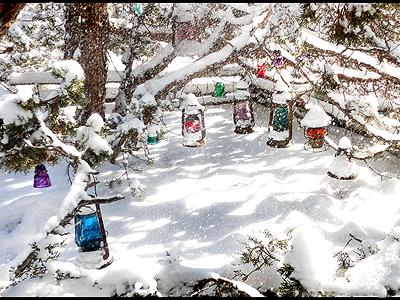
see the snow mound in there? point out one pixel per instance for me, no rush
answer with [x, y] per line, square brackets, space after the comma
[345, 143]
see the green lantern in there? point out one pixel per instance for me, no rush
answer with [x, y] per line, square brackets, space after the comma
[281, 118]
[219, 89]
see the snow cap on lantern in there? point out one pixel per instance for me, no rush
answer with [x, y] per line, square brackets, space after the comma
[316, 117]
[342, 167]
[281, 93]
[345, 143]
[41, 179]
[190, 103]
[241, 90]
[148, 100]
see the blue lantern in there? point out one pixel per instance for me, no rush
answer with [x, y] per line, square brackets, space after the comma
[138, 9]
[88, 235]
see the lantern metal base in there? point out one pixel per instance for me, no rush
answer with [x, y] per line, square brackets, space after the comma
[315, 147]
[243, 130]
[330, 174]
[200, 143]
[279, 144]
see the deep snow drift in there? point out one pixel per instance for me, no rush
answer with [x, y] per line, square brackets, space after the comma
[197, 205]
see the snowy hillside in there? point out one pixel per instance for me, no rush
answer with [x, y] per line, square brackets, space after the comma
[198, 203]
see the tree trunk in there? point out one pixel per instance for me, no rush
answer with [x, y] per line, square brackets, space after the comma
[94, 61]
[72, 28]
[8, 14]
[87, 28]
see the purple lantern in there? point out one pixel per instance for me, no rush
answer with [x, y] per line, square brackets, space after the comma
[41, 178]
[278, 59]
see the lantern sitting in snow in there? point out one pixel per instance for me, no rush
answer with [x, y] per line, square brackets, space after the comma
[90, 236]
[219, 89]
[261, 70]
[152, 135]
[277, 61]
[342, 167]
[280, 117]
[315, 122]
[193, 128]
[243, 116]
[41, 179]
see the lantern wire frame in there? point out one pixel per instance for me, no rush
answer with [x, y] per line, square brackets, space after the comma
[107, 258]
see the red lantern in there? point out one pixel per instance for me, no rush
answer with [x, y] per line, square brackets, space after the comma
[315, 138]
[261, 69]
[193, 129]
[315, 122]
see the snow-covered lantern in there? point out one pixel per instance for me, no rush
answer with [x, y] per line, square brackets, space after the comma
[149, 105]
[41, 179]
[138, 9]
[193, 127]
[243, 115]
[219, 89]
[88, 233]
[278, 61]
[185, 22]
[280, 117]
[342, 167]
[152, 135]
[315, 124]
[261, 70]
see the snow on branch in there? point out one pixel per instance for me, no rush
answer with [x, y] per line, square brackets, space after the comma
[311, 38]
[157, 85]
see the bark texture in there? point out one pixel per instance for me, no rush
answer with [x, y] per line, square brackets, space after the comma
[8, 14]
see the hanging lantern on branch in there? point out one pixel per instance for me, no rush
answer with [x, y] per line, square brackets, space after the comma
[41, 179]
[315, 124]
[90, 236]
[261, 70]
[280, 117]
[342, 167]
[138, 9]
[193, 128]
[219, 90]
[185, 20]
[277, 61]
[243, 115]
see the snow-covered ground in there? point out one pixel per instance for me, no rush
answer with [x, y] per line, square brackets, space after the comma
[199, 203]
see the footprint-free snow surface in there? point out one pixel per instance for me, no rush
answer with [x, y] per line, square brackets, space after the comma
[199, 204]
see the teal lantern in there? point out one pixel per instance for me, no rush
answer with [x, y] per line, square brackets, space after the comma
[280, 117]
[152, 140]
[138, 9]
[152, 136]
[280, 120]
[219, 89]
